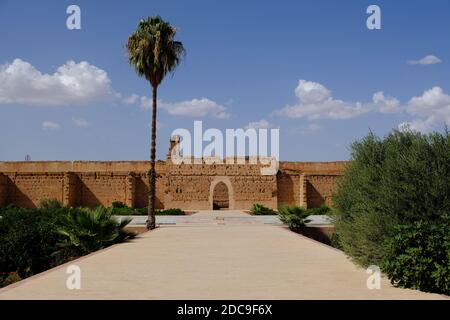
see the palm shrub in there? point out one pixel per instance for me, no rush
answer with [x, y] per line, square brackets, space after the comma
[261, 210]
[295, 217]
[85, 231]
[392, 206]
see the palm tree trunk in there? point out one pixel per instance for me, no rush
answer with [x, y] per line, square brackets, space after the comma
[151, 223]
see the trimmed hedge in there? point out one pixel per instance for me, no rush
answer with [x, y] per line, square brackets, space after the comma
[393, 208]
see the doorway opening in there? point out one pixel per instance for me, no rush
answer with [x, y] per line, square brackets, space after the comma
[221, 197]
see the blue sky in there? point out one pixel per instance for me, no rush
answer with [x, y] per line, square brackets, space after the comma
[243, 67]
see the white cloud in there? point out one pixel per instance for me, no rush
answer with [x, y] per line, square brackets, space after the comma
[50, 125]
[72, 84]
[316, 102]
[131, 99]
[431, 109]
[385, 104]
[427, 60]
[191, 108]
[80, 122]
[261, 124]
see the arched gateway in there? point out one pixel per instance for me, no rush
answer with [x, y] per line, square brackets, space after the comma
[221, 197]
[221, 194]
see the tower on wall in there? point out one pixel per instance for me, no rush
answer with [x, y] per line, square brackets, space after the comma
[174, 147]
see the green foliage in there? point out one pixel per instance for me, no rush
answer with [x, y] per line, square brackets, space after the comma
[321, 211]
[27, 240]
[152, 49]
[127, 211]
[50, 204]
[394, 188]
[418, 256]
[260, 210]
[85, 231]
[295, 217]
[118, 205]
[34, 240]
[170, 212]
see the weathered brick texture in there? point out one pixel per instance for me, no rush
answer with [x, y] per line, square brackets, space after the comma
[3, 189]
[186, 186]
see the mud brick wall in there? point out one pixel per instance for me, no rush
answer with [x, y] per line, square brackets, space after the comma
[29, 189]
[70, 189]
[336, 167]
[289, 188]
[185, 186]
[191, 186]
[320, 189]
[249, 190]
[102, 188]
[141, 190]
[3, 189]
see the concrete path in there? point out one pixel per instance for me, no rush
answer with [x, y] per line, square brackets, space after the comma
[224, 255]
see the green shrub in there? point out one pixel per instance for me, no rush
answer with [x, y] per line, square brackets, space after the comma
[170, 212]
[261, 210]
[295, 217]
[51, 204]
[418, 256]
[392, 185]
[127, 211]
[34, 240]
[118, 204]
[28, 237]
[85, 231]
[321, 211]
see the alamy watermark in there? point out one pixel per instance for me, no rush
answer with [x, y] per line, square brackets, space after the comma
[374, 280]
[235, 146]
[73, 281]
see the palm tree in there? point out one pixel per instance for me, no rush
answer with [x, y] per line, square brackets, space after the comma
[154, 53]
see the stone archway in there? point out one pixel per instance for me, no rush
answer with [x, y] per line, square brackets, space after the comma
[221, 193]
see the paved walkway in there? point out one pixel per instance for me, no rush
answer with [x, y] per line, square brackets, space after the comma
[224, 255]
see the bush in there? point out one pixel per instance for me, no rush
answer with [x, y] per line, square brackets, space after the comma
[321, 211]
[34, 240]
[418, 256]
[170, 212]
[85, 231]
[127, 211]
[51, 204]
[27, 240]
[260, 210]
[119, 204]
[391, 194]
[294, 217]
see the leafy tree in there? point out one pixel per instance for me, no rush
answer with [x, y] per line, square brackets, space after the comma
[153, 52]
[392, 207]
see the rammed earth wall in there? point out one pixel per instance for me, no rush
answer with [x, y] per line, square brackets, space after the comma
[185, 186]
